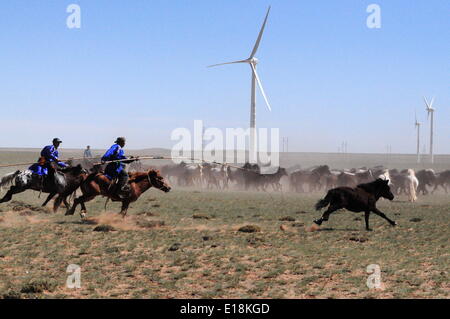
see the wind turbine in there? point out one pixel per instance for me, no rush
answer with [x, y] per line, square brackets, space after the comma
[417, 124]
[430, 110]
[253, 61]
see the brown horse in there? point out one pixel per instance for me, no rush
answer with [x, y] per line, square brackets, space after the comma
[98, 184]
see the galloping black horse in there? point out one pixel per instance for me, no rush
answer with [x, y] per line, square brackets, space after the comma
[362, 198]
[69, 180]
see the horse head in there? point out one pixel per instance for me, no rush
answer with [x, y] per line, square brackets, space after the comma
[383, 189]
[322, 170]
[157, 181]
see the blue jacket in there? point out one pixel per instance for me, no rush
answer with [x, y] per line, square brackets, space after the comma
[51, 155]
[114, 153]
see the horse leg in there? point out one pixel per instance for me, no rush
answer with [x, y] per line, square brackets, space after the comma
[436, 185]
[12, 190]
[326, 214]
[49, 197]
[71, 211]
[366, 217]
[124, 209]
[79, 201]
[382, 215]
[57, 203]
[66, 203]
[83, 199]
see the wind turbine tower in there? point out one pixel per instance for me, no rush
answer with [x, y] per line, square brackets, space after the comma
[430, 111]
[418, 139]
[253, 61]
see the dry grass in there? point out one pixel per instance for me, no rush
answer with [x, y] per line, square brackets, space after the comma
[213, 259]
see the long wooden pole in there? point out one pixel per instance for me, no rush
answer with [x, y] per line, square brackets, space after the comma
[131, 159]
[31, 163]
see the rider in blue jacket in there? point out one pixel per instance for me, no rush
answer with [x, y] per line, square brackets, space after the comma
[117, 169]
[49, 158]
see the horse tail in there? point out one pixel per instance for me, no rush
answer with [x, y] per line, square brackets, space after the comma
[8, 179]
[323, 202]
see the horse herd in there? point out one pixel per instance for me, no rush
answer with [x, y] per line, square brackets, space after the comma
[314, 179]
[92, 182]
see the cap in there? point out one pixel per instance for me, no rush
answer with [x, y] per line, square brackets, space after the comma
[120, 139]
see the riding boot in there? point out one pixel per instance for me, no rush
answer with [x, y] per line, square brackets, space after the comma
[123, 189]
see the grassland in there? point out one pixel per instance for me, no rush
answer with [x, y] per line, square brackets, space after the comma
[186, 244]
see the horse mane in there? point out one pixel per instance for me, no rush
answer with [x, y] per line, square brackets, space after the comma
[78, 169]
[138, 176]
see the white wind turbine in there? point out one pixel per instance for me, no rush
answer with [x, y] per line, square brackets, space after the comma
[430, 111]
[253, 61]
[417, 124]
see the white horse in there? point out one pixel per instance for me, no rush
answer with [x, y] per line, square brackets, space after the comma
[385, 176]
[411, 184]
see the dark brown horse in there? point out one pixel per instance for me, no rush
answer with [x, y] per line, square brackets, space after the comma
[443, 180]
[362, 198]
[62, 182]
[74, 177]
[426, 177]
[253, 177]
[98, 184]
[313, 178]
[274, 179]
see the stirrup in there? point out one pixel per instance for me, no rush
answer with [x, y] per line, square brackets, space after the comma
[124, 192]
[123, 195]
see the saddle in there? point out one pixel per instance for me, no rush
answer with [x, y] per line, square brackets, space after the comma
[115, 187]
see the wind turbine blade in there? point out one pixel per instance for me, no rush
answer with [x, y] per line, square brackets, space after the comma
[431, 103]
[258, 40]
[240, 61]
[260, 86]
[426, 102]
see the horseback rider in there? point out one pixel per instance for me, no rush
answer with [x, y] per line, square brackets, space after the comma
[48, 163]
[117, 170]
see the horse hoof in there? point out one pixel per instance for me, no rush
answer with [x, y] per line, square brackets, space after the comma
[317, 222]
[394, 224]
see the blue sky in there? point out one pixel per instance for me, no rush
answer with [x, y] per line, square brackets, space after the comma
[138, 68]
